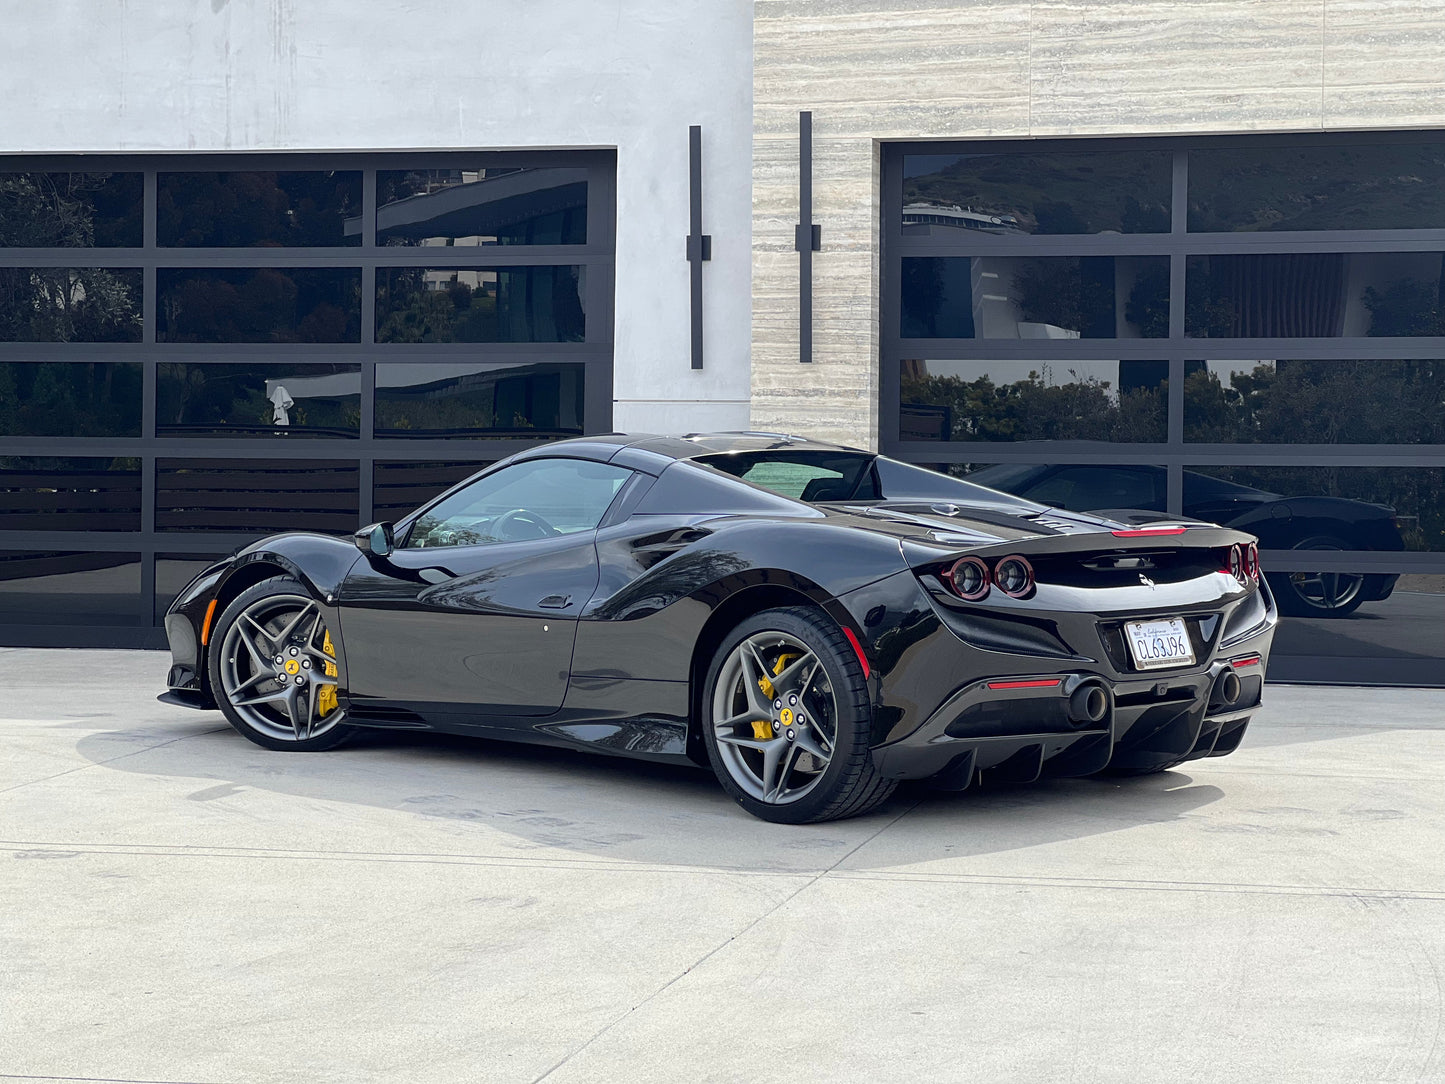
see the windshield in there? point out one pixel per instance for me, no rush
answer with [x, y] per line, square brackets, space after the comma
[802, 475]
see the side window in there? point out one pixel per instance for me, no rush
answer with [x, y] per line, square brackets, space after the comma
[538, 498]
[1081, 489]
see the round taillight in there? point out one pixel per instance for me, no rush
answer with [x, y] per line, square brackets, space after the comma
[1251, 558]
[1236, 563]
[967, 578]
[1014, 576]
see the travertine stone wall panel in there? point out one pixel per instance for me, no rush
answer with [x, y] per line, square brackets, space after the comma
[875, 70]
[1200, 65]
[1384, 64]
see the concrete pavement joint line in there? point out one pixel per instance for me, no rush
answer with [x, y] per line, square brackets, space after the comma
[507, 861]
[112, 760]
[719, 947]
[100, 1079]
[624, 866]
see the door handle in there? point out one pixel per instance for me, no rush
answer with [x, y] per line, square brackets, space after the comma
[556, 602]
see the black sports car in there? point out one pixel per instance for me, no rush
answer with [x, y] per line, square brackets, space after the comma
[813, 621]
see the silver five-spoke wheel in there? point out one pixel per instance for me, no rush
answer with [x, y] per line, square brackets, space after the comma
[775, 717]
[277, 669]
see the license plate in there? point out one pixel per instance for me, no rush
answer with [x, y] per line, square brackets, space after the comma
[1163, 642]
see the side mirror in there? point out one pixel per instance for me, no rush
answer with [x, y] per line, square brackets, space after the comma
[376, 540]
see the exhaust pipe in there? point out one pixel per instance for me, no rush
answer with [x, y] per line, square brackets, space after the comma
[1226, 690]
[1089, 704]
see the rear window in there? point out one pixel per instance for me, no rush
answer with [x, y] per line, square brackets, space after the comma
[805, 476]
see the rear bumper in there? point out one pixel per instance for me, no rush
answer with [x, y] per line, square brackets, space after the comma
[1022, 727]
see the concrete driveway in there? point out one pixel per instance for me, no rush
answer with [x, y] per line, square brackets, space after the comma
[177, 904]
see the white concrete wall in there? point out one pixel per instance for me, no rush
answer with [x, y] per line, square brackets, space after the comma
[314, 75]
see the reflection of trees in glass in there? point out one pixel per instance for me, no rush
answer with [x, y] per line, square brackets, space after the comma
[1035, 408]
[1077, 293]
[1332, 402]
[70, 210]
[1319, 402]
[71, 399]
[1072, 193]
[1407, 307]
[526, 397]
[238, 209]
[70, 304]
[518, 304]
[233, 397]
[416, 314]
[235, 305]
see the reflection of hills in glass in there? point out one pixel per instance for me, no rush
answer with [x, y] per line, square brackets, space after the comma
[1394, 186]
[1074, 193]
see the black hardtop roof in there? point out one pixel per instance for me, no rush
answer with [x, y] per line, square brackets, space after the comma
[607, 446]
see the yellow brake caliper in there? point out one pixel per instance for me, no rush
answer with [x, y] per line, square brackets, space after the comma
[763, 728]
[326, 698]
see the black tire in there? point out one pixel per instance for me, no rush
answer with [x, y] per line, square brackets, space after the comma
[1295, 591]
[849, 784]
[266, 725]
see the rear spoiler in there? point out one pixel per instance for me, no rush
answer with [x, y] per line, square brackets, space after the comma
[1121, 539]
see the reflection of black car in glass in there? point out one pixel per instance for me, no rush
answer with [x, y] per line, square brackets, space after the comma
[1280, 523]
[815, 622]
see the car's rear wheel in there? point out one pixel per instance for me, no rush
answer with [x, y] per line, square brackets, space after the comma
[1319, 594]
[788, 721]
[273, 669]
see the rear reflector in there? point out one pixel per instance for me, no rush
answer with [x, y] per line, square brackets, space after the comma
[1148, 532]
[858, 650]
[1248, 660]
[1045, 683]
[206, 624]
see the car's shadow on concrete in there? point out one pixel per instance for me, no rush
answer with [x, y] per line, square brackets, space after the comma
[473, 796]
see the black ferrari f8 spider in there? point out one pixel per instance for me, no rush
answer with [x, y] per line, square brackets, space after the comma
[814, 622]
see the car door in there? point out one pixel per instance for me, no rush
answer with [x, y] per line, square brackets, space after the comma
[474, 612]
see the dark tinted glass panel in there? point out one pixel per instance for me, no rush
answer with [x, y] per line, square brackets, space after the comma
[70, 399]
[174, 571]
[258, 400]
[1035, 297]
[496, 305]
[70, 210]
[69, 588]
[1352, 508]
[1314, 294]
[44, 493]
[256, 495]
[461, 400]
[264, 305]
[952, 195]
[1359, 187]
[1352, 618]
[1082, 487]
[482, 206]
[70, 304]
[401, 487]
[238, 209]
[1315, 402]
[1033, 400]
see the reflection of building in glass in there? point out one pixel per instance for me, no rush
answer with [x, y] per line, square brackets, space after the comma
[952, 216]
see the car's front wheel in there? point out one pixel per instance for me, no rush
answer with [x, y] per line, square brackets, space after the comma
[788, 721]
[273, 669]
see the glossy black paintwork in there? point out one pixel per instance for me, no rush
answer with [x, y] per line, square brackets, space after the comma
[600, 640]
